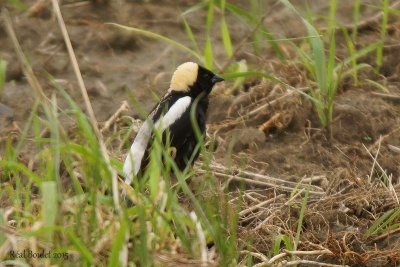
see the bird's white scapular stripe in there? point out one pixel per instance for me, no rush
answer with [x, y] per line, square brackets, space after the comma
[184, 77]
[135, 155]
[138, 148]
[174, 113]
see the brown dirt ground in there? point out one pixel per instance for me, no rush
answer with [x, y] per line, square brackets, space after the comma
[284, 139]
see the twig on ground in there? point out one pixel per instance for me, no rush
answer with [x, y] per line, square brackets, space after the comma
[385, 235]
[247, 195]
[375, 160]
[264, 221]
[255, 255]
[262, 178]
[257, 182]
[314, 179]
[261, 204]
[294, 196]
[311, 252]
[277, 257]
[111, 120]
[311, 263]
[393, 148]
[387, 96]
[272, 122]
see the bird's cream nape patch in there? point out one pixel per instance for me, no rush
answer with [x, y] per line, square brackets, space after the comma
[184, 76]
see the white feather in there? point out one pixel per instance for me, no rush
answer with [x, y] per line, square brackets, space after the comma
[135, 155]
[174, 113]
[134, 158]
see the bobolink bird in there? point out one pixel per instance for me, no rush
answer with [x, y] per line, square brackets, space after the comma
[189, 82]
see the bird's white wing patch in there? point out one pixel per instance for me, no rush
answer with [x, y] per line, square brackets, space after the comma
[138, 148]
[135, 155]
[174, 113]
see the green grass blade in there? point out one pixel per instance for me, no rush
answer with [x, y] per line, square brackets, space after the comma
[49, 206]
[142, 244]
[208, 51]
[378, 85]
[160, 38]
[210, 16]
[301, 218]
[241, 68]
[318, 57]
[276, 246]
[195, 7]
[26, 129]
[19, 167]
[190, 34]
[331, 76]
[352, 50]
[80, 247]
[118, 244]
[252, 20]
[332, 16]
[356, 19]
[272, 41]
[226, 38]
[3, 67]
[383, 221]
[360, 53]
[240, 12]
[317, 48]
[383, 31]
[3, 225]
[56, 140]
[208, 54]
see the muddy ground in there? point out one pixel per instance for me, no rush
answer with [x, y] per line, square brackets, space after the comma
[270, 129]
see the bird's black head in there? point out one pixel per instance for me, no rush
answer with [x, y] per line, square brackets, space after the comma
[193, 79]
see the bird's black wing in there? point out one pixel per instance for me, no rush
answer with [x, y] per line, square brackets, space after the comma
[164, 104]
[159, 109]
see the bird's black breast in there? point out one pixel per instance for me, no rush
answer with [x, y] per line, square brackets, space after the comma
[183, 136]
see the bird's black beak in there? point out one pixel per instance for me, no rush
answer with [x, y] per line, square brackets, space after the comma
[216, 79]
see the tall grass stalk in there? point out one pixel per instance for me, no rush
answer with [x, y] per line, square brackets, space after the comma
[356, 19]
[3, 67]
[383, 31]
